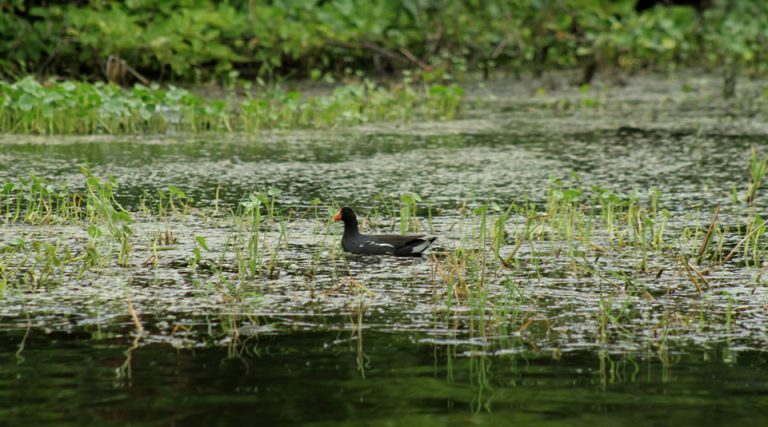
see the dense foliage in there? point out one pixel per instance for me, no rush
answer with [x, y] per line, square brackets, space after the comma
[195, 40]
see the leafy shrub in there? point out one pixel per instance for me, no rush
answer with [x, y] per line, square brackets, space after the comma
[194, 40]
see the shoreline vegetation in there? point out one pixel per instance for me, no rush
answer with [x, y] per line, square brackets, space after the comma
[56, 58]
[174, 41]
[77, 108]
[29, 107]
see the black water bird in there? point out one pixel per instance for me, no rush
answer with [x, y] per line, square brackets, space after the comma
[367, 244]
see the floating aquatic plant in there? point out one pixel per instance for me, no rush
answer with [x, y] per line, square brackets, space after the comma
[29, 107]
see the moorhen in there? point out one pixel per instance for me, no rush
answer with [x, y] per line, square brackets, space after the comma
[366, 244]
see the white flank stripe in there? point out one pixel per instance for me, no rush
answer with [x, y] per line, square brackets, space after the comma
[381, 244]
[420, 247]
[364, 244]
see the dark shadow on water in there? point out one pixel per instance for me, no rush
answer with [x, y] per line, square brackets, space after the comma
[297, 378]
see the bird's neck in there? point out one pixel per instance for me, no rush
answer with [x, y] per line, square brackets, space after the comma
[350, 228]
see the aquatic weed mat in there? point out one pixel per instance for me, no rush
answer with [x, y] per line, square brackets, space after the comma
[553, 297]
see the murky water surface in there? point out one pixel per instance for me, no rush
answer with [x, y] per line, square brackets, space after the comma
[320, 338]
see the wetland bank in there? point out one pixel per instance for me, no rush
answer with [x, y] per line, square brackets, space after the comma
[600, 259]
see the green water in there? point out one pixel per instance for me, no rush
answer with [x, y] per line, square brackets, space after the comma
[321, 378]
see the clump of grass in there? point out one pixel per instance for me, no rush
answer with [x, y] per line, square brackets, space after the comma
[408, 219]
[251, 261]
[465, 269]
[109, 221]
[258, 212]
[758, 168]
[200, 243]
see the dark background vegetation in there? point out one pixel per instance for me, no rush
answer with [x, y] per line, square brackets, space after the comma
[200, 40]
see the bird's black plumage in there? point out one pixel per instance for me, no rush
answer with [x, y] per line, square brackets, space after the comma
[379, 244]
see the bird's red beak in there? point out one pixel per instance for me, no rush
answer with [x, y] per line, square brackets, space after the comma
[337, 217]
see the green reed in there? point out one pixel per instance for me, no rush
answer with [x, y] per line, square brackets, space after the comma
[408, 219]
[585, 223]
[499, 230]
[712, 232]
[282, 239]
[259, 211]
[197, 256]
[750, 245]
[758, 168]
[49, 262]
[253, 256]
[321, 229]
[465, 270]
[109, 221]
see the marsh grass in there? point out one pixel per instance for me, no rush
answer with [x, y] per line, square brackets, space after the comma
[258, 213]
[408, 219]
[580, 225]
[109, 223]
[612, 243]
[758, 168]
